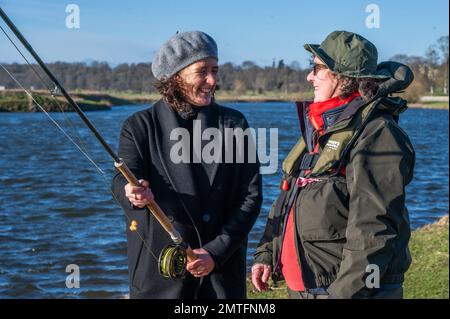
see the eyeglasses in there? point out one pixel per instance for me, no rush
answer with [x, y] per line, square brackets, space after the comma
[317, 67]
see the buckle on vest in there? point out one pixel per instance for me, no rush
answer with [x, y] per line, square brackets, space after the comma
[302, 181]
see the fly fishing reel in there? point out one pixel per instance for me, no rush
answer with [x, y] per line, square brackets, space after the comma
[172, 262]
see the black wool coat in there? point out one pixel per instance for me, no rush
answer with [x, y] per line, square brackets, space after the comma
[218, 218]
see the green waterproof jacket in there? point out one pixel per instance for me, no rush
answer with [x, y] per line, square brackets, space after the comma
[352, 230]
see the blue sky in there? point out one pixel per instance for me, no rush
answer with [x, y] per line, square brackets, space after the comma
[260, 31]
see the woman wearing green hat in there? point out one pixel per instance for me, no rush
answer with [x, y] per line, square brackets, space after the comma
[340, 228]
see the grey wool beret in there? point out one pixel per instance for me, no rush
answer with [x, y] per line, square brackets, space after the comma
[182, 50]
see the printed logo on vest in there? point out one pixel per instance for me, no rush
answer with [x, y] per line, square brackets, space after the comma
[334, 145]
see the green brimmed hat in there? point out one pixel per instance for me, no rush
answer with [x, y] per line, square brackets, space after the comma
[349, 54]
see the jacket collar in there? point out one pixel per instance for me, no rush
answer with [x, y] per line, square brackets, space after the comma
[334, 119]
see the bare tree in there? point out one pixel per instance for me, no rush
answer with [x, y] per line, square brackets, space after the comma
[432, 57]
[443, 47]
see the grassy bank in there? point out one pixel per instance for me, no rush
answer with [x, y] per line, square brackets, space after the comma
[18, 101]
[428, 276]
[250, 96]
[221, 96]
[430, 105]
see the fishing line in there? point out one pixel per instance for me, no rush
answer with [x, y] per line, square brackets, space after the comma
[23, 56]
[173, 258]
[80, 149]
[52, 120]
[53, 91]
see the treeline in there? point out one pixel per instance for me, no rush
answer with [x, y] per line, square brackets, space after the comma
[97, 76]
[430, 71]
[431, 75]
[138, 77]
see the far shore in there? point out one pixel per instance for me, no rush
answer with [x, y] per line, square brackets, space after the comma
[430, 105]
[18, 101]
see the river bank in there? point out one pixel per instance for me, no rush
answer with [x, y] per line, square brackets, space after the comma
[19, 101]
[427, 278]
[430, 105]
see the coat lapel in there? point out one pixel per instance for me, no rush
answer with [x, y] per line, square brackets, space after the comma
[210, 118]
[180, 175]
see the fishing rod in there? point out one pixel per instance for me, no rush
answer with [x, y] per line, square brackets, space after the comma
[173, 258]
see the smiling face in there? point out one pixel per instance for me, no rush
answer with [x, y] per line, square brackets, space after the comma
[198, 81]
[324, 81]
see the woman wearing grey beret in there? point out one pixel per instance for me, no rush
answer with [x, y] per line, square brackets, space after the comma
[212, 203]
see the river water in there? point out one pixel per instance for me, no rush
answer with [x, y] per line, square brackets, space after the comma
[56, 208]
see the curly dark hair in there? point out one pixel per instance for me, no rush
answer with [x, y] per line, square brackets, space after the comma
[367, 87]
[174, 94]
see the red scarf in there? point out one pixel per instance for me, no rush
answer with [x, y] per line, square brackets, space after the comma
[318, 108]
